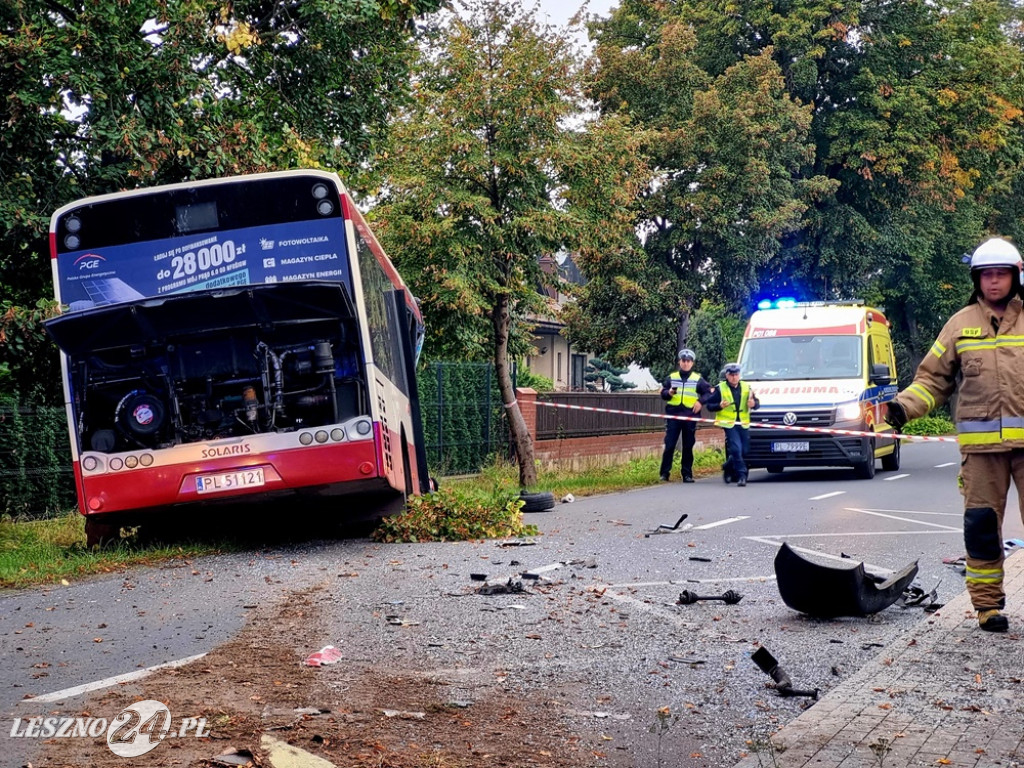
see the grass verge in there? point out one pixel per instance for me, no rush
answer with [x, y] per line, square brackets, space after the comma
[54, 551]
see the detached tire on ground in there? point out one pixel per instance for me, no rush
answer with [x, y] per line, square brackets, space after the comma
[537, 502]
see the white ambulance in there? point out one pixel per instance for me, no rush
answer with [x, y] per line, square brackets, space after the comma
[820, 367]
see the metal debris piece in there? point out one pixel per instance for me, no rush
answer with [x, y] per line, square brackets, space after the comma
[783, 685]
[510, 587]
[914, 595]
[826, 591]
[670, 528]
[730, 597]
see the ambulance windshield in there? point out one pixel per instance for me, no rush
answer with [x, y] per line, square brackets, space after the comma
[801, 357]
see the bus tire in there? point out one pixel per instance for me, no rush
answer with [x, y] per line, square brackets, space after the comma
[537, 502]
[99, 534]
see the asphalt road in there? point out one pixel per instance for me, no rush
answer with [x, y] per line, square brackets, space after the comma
[607, 627]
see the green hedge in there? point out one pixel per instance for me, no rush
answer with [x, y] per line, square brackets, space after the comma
[36, 479]
[463, 421]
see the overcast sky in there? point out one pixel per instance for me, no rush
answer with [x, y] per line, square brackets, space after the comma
[560, 11]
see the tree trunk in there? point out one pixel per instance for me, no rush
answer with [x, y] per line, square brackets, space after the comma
[522, 442]
[684, 330]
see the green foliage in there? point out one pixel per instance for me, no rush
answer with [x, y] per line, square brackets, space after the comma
[463, 422]
[107, 95]
[815, 149]
[936, 424]
[527, 378]
[602, 376]
[450, 515]
[27, 355]
[35, 461]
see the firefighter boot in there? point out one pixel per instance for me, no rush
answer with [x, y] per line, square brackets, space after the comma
[993, 621]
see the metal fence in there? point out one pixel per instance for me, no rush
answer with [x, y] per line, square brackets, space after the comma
[555, 423]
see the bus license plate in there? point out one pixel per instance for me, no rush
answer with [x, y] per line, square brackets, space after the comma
[227, 481]
[790, 447]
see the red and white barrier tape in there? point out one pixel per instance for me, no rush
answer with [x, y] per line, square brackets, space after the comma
[794, 428]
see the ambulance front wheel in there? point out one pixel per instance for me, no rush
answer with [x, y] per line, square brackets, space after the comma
[866, 469]
[891, 463]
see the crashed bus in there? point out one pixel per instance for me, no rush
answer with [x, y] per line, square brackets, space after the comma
[234, 340]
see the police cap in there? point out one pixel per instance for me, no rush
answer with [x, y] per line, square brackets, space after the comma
[730, 368]
[687, 354]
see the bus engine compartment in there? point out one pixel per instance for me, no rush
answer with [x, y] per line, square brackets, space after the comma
[212, 364]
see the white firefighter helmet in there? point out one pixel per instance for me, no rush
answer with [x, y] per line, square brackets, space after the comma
[995, 252]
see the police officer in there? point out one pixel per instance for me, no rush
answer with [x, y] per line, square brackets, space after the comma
[981, 346]
[732, 405]
[683, 392]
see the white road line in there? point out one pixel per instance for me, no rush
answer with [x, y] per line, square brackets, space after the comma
[826, 495]
[856, 533]
[914, 512]
[947, 464]
[906, 520]
[678, 582]
[720, 522]
[78, 690]
[896, 477]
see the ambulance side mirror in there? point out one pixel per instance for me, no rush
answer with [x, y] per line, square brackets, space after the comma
[880, 374]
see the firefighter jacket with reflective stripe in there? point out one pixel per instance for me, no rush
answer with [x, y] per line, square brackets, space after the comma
[989, 356]
[686, 389]
[732, 411]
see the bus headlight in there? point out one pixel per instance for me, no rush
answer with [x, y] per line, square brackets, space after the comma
[849, 412]
[363, 427]
[89, 463]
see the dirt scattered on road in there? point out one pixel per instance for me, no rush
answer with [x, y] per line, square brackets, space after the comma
[353, 715]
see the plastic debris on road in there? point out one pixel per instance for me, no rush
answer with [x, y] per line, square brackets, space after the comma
[326, 655]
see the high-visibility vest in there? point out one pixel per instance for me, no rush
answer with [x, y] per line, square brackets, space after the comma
[686, 389]
[726, 417]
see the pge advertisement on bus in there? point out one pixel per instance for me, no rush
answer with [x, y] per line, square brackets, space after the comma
[308, 250]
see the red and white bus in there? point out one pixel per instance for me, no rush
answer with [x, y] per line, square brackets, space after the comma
[234, 339]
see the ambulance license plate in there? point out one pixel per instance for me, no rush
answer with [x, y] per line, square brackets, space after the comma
[790, 447]
[229, 481]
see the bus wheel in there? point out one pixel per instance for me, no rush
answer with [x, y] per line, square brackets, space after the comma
[537, 502]
[891, 463]
[99, 534]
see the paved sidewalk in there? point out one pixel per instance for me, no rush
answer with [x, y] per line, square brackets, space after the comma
[945, 694]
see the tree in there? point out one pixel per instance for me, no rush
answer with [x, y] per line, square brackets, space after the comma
[107, 95]
[810, 148]
[493, 166]
[602, 376]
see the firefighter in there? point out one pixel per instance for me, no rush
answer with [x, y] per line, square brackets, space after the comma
[684, 392]
[732, 406]
[981, 345]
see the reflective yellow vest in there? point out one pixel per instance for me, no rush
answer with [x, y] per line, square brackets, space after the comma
[726, 417]
[686, 389]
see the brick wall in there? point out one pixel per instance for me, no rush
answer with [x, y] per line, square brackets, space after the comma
[579, 452]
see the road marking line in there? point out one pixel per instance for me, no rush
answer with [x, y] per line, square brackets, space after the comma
[858, 533]
[826, 495]
[905, 520]
[897, 477]
[917, 512]
[678, 582]
[720, 522]
[947, 464]
[67, 693]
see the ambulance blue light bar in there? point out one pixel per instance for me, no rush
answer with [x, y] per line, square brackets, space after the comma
[786, 303]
